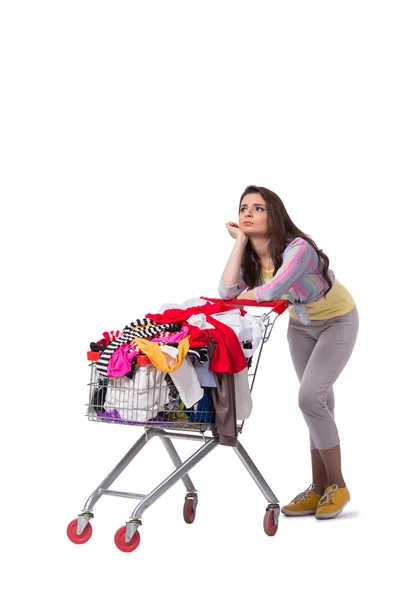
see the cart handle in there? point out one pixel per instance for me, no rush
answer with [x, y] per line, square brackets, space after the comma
[278, 306]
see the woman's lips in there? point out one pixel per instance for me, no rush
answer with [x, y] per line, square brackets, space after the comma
[247, 223]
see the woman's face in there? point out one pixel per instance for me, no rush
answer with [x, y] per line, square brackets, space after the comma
[253, 215]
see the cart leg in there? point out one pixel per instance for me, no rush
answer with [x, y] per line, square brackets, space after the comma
[255, 474]
[111, 477]
[165, 485]
[170, 448]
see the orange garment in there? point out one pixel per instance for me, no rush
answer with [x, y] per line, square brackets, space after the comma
[160, 360]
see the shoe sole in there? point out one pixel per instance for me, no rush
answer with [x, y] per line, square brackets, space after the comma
[331, 515]
[299, 513]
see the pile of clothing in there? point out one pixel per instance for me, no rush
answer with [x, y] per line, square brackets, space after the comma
[187, 362]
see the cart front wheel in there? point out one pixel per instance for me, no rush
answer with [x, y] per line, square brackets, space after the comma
[124, 546]
[189, 513]
[72, 532]
[270, 527]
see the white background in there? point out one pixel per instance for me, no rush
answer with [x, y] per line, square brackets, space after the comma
[129, 131]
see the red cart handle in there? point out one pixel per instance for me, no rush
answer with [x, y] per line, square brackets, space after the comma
[278, 306]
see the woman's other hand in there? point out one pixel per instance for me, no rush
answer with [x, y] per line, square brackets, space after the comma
[248, 295]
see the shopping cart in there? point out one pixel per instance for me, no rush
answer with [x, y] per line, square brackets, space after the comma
[142, 401]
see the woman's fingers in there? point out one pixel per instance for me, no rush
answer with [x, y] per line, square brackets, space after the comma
[234, 229]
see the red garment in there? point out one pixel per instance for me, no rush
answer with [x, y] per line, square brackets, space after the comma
[198, 337]
[109, 336]
[228, 356]
[176, 315]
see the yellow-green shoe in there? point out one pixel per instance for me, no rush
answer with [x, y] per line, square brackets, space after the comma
[332, 502]
[303, 504]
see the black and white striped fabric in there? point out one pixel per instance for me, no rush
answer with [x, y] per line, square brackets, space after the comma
[140, 328]
[172, 390]
[196, 355]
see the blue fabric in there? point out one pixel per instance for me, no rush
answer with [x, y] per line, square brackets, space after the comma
[204, 412]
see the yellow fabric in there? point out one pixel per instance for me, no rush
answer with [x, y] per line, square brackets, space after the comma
[338, 301]
[266, 274]
[159, 359]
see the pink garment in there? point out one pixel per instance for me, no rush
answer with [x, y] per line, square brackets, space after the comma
[134, 350]
[176, 337]
[119, 363]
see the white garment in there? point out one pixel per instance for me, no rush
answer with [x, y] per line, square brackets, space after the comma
[188, 304]
[200, 321]
[257, 329]
[244, 403]
[205, 376]
[185, 379]
[139, 399]
[246, 327]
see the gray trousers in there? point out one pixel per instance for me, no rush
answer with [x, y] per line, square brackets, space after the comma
[320, 351]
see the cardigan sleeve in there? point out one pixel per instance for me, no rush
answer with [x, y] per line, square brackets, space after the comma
[229, 292]
[297, 261]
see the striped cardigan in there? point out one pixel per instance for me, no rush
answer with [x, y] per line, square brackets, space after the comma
[298, 279]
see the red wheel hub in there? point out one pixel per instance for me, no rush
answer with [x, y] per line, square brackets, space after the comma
[72, 532]
[124, 546]
[189, 514]
[269, 526]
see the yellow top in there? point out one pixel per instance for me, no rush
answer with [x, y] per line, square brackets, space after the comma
[338, 301]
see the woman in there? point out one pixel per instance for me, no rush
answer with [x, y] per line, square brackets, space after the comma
[272, 259]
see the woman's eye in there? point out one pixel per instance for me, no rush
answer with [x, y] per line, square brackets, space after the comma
[243, 208]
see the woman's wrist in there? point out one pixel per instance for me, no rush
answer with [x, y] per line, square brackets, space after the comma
[241, 241]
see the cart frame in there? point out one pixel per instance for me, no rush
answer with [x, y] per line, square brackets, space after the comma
[127, 538]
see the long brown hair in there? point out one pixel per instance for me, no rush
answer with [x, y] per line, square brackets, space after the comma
[282, 231]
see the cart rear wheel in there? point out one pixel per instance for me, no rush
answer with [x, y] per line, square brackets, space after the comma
[189, 513]
[72, 532]
[124, 546]
[269, 526]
